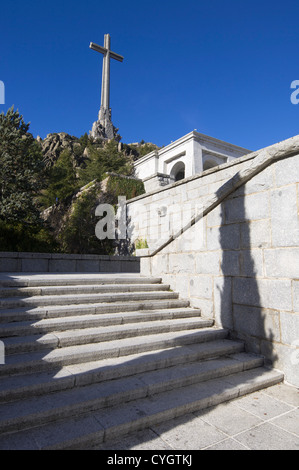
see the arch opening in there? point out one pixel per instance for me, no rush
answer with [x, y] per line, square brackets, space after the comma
[178, 171]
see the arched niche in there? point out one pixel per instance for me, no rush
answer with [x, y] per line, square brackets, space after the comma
[178, 171]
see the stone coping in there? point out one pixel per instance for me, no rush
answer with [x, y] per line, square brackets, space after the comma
[15, 254]
[155, 175]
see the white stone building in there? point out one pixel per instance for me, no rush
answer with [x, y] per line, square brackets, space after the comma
[187, 156]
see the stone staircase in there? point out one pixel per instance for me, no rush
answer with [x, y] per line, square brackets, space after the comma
[92, 357]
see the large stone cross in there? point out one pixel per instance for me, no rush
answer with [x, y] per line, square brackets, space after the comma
[105, 111]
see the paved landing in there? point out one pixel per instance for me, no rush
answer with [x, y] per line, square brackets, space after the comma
[264, 420]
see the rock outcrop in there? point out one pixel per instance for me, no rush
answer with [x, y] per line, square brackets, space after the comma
[54, 144]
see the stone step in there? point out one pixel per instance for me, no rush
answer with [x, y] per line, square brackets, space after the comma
[48, 300]
[58, 339]
[35, 411]
[48, 359]
[22, 292]
[92, 356]
[71, 279]
[68, 377]
[27, 328]
[36, 313]
[151, 405]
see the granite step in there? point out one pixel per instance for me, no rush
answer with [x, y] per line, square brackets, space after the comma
[6, 292]
[48, 359]
[91, 357]
[54, 311]
[76, 375]
[41, 326]
[68, 403]
[64, 339]
[152, 405]
[48, 300]
[71, 279]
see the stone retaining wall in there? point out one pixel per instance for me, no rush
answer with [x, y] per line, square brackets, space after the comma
[47, 262]
[240, 263]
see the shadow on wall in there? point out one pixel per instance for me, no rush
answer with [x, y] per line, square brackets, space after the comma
[241, 308]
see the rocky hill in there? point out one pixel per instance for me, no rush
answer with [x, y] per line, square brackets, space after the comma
[54, 144]
[83, 173]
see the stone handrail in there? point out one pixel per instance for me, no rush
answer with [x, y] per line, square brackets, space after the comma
[261, 159]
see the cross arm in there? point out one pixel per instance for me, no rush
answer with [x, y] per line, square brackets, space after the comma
[103, 50]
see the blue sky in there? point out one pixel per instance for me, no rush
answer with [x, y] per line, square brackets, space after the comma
[222, 67]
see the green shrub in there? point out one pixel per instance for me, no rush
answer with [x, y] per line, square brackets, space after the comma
[128, 187]
[140, 243]
[20, 237]
[78, 233]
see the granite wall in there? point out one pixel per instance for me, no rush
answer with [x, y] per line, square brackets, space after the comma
[239, 263]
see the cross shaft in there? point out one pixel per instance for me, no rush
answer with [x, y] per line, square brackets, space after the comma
[107, 53]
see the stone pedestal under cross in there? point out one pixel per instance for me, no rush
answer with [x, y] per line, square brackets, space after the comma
[103, 128]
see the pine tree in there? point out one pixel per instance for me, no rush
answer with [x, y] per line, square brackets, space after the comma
[61, 180]
[102, 160]
[21, 164]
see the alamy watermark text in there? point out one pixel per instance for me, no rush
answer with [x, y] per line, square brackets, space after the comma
[2, 92]
[2, 353]
[295, 95]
